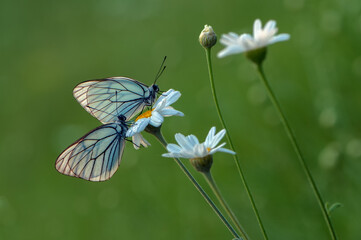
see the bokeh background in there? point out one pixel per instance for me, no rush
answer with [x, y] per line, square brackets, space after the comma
[48, 46]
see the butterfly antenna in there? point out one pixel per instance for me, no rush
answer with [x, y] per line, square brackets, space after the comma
[161, 70]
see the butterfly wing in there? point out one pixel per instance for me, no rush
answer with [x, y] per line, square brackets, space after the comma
[96, 156]
[106, 99]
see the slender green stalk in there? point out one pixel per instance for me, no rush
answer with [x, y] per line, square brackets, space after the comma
[298, 151]
[210, 71]
[209, 178]
[161, 139]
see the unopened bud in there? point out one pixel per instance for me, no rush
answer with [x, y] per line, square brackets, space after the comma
[208, 37]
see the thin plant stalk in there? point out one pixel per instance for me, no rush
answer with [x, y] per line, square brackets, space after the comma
[298, 152]
[210, 180]
[161, 139]
[250, 196]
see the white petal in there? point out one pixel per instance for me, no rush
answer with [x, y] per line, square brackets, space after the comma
[169, 111]
[139, 140]
[225, 151]
[160, 105]
[213, 150]
[138, 126]
[156, 119]
[172, 98]
[200, 150]
[217, 138]
[210, 137]
[136, 139]
[279, 38]
[257, 26]
[193, 140]
[163, 96]
[229, 39]
[186, 154]
[233, 35]
[143, 141]
[168, 155]
[183, 142]
[173, 148]
[271, 24]
[247, 42]
[230, 50]
[166, 94]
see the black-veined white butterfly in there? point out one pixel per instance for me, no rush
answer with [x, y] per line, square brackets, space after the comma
[113, 101]
[108, 98]
[97, 155]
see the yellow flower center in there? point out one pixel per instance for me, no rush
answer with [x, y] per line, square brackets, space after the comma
[146, 114]
[208, 149]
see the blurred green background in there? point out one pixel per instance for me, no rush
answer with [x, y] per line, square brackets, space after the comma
[47, 47]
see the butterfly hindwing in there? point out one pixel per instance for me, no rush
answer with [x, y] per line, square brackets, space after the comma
[108, 98]
[96, 156]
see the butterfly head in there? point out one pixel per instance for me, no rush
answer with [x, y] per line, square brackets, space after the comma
[153, 90]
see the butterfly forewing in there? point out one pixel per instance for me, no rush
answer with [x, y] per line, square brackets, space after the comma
[108, 98]
[96, 156]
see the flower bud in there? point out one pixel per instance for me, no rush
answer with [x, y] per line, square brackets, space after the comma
[208, 37]
[202, 164]
[257, 55]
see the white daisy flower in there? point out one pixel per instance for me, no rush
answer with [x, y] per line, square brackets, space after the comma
[245, 42]
[189, 146]
[154, 117]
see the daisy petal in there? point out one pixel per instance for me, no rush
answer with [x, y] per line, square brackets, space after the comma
[210, 137]
[137, 127]
[226, 151]
[183, 142]
[169, 111]
[247, 42]
[136, 141]
[230, 50]
[168, 155]
[257, 26]
[160, 105]
[200, 150]
[172, 98]
[214, 150]
[193, 140]
[187, 154]
[156, 119]
[229, 39]
[217, 138]
[173, 148]
[163, 96]
[279, 38]
[271, 24]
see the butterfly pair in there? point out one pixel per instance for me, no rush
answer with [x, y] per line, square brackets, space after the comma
[113, 101]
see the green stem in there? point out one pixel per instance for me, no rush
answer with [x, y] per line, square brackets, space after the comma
[298, 151]
[255, 210]
[209, 178]
[161, 139]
